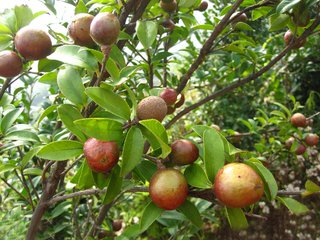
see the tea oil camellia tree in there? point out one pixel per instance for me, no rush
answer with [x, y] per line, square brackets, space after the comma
[162, 120]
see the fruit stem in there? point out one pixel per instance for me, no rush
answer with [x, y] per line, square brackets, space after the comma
[314, 115]
[106, 52]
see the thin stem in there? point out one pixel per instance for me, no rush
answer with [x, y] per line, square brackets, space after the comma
[25, 184]
[14, 189]
[314, 115]
[33, 188]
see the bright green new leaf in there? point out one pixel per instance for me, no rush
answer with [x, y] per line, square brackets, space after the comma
[147, 32]
[293, 205]
[110, 101]
[132, 150]
[278, 21]
[61, 150]
[24, 15]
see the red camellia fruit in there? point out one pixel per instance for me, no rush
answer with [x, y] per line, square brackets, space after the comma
[237, 185]
[10, 64]
[298, 120]
[101, 155]
[301, 149]
[288, 36]
[168, 188]
[79, 29]
[183, 152]
[105, 28]
[203, 6]
[312, 139]
[169, 95]
[32, 43]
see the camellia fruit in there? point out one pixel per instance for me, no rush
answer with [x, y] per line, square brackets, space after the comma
[10, 64]
[298, 120]
[79, 29]
[152, 107]
[32, 43]
[237, 185]
[301, 149]
[289, 37]
[183, 152]
[169, 95]
[289, 142]
[105, 28]
[169, 6]
[168, 188]
[101, 156]
[241, 18]
[312, 139]
[203, 6]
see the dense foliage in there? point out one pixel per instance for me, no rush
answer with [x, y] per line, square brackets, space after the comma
[234, 82]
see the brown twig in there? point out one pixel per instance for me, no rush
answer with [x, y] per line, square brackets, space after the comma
[14, 189]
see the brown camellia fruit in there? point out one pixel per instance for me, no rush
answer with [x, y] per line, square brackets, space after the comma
[169, 24]
[181, 101]
[298, 120]
[101, 156]
[203, 6]
[288, 36]
[237, 185]
[10, 64]
[152, 107]
[289, 142]
[117, 225]
[169, 95]
[32, 43]
[169, 6]
[301, 149]
[183, 152]
[241, 18]
[105, 28]
[79, 29]
[312, 139]
[170, 109]
[168, 189]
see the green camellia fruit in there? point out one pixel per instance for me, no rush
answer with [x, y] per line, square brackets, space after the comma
[183, 152]
[152, 107]
[32, 43]
[237, 185]
[105, 28]
[101, 156]
[79, 29]
[168, 189]
[10, 64]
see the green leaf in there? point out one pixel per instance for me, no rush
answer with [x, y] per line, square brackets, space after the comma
[10, 118]
[24, 15]
[286, 5]
[243, 26]
[22, 135]
[33, 171]
[81, 7]
[145, 170]
[70, 84]
[196, 176]
[156, 134]
[68, 114]
[150, 214]
[84, 177]
[49, 78]
[186, 3]
[101, 128]
[270, 184]
[278, 21]
[192, 213]
[260, 12]
[147, 32]
[311, 188]
[4, 29]
[28, 156]
[5, 41]
[61, 150]
[47, 65]
[46, 112]
[213, 153]
[132, 150]
[114, 187]
[6, 167]
[293, 205]
[236, 218]
[113, 70]
[76, 56]
[110, 101]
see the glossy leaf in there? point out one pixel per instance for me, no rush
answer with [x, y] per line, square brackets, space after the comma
[101, 128]
[147, 32]
[10, 118]
[286, 5]
[23, 135]
[149, 215]
[23, 15]
[191, 212]
[293, 205]
[196, 176]
[132, 150]
[68, 114]
[61, 150]
[70, 84]
[46, 112]
[83, 177]
[278, 21]
[28, 156]
[114, 186]
[213, 153]
[145, 170]
[236, 218]
[110, 101]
